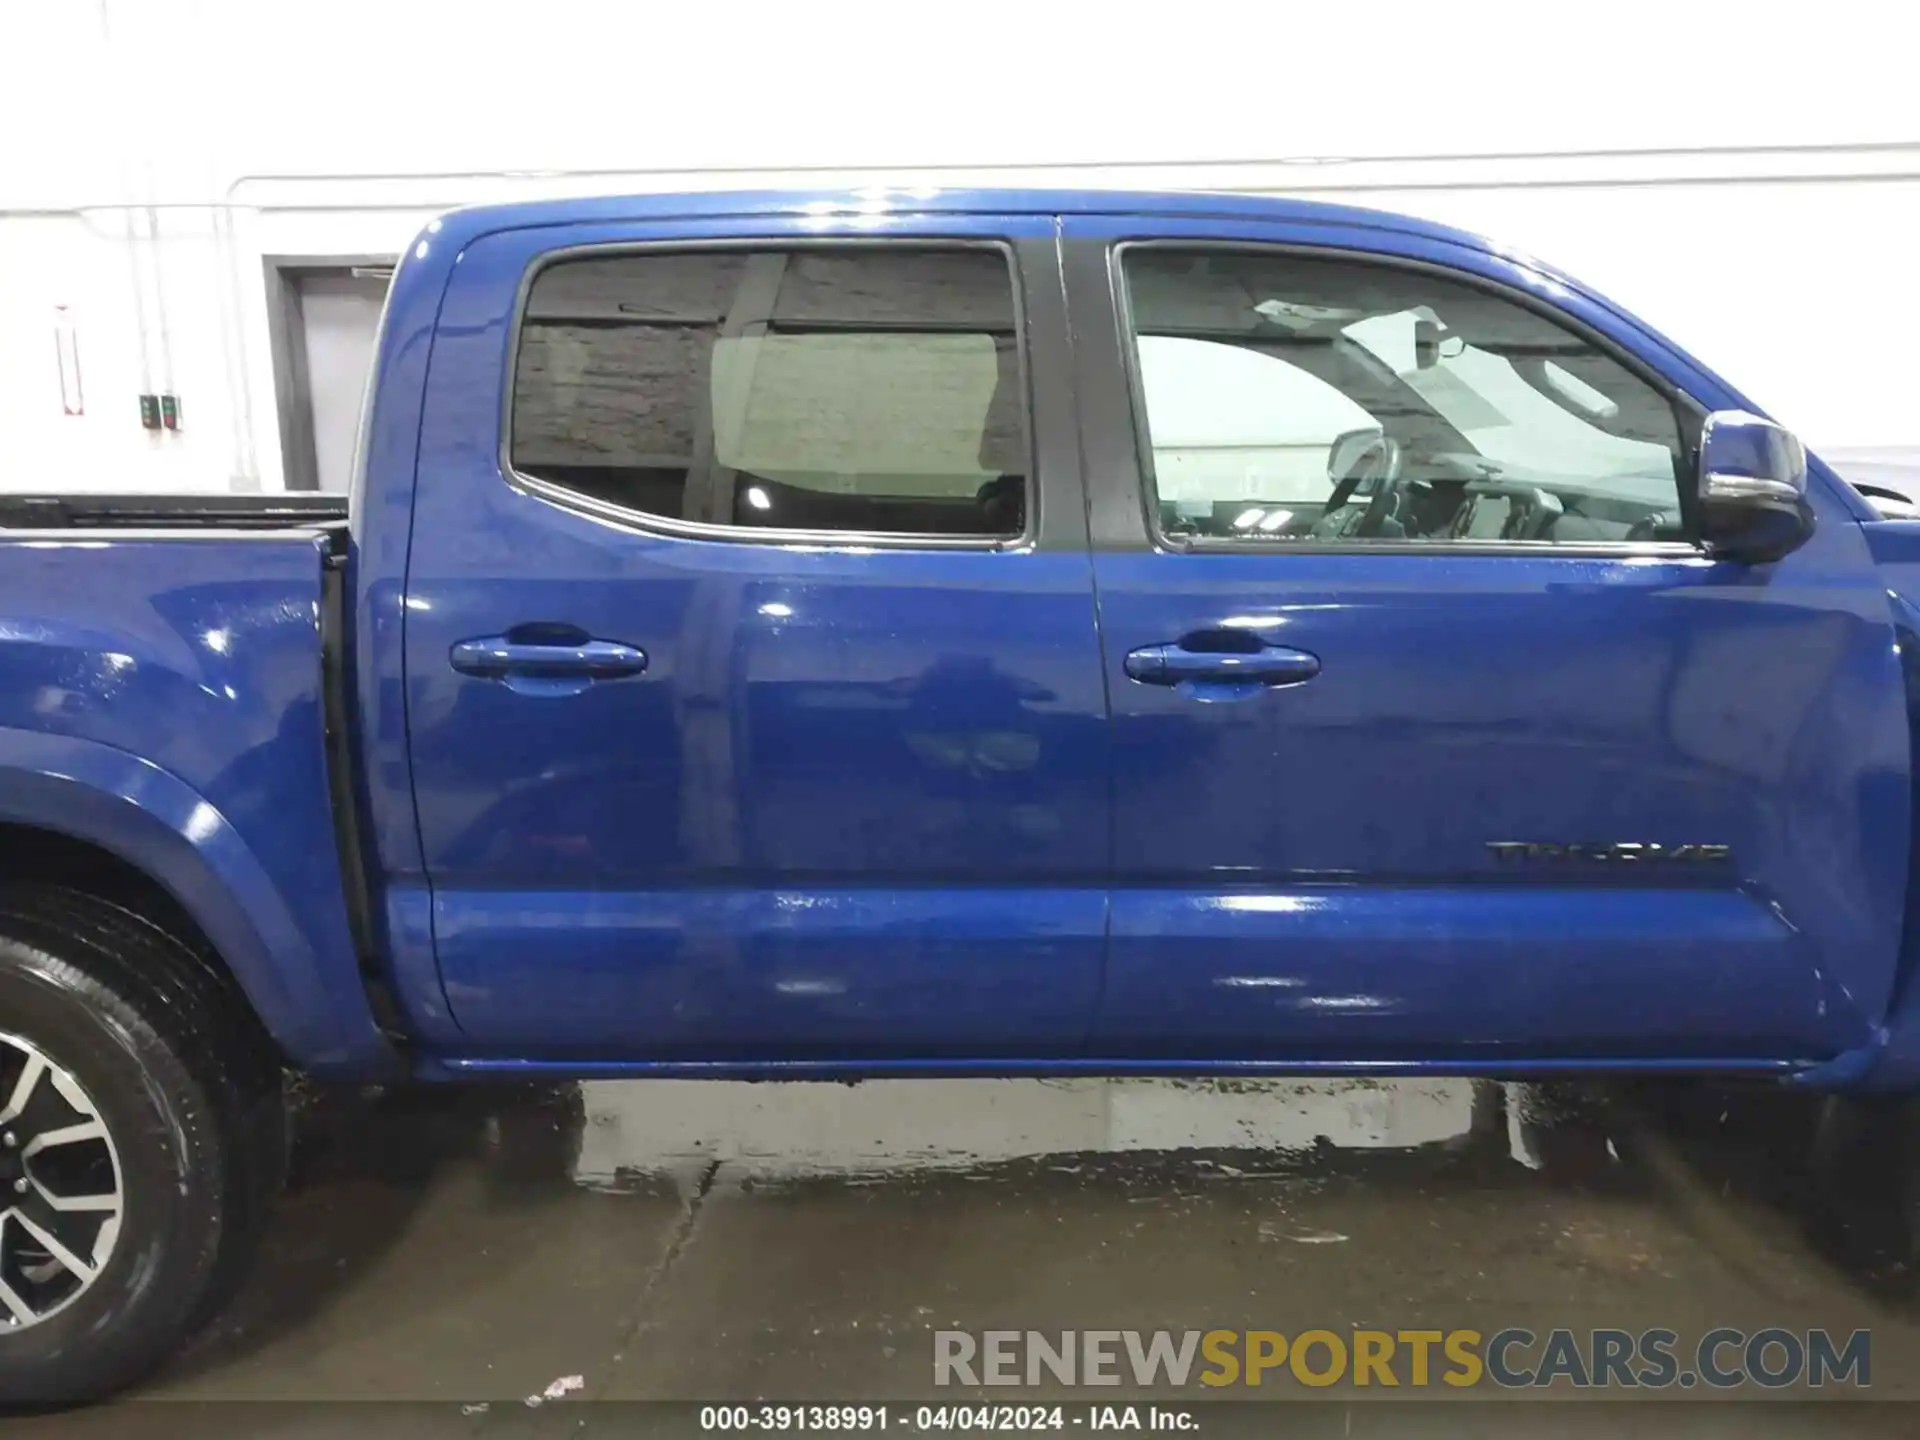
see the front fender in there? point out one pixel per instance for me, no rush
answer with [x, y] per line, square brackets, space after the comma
[305, 987]
[1890, 1061]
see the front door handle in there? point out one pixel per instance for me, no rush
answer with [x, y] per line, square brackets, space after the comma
[1267, 667]
[552, 666]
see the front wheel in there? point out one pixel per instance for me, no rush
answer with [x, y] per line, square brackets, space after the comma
[133, 1100]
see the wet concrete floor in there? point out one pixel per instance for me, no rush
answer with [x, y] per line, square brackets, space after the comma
[462, 1251]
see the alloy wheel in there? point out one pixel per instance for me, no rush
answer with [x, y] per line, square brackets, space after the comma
[62, 1195]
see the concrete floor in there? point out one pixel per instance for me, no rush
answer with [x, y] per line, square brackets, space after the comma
[454, 1253]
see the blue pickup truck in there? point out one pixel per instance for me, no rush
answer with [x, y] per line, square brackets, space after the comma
[921, 632]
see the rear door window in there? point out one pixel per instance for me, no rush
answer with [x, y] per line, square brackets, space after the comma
[871, 390]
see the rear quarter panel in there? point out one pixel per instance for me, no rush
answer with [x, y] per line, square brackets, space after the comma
[160, 696]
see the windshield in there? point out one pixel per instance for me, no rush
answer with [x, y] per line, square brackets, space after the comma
[1513, 421]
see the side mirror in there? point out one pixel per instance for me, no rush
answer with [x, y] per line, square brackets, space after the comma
[1753, 488]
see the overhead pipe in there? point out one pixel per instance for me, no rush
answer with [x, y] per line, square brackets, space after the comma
[668, 172]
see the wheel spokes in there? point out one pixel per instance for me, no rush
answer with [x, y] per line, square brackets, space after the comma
[24, 1087]
[66, 1135]
[61, 1190]
[67, 1204]
[23, 1313]
[50, 1242]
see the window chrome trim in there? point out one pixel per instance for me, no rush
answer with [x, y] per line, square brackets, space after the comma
[1689, 414]
[670, 526]
[99, 536]
[1583, 549]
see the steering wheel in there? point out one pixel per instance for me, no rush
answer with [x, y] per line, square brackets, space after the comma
[1379, 462]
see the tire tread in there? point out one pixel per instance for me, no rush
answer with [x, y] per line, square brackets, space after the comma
[184, 1013]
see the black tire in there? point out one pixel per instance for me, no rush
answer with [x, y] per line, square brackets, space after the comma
[1863, 1187]
[189, 1090]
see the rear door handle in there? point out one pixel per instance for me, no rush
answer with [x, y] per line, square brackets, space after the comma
[546, 667]
[1174, 664]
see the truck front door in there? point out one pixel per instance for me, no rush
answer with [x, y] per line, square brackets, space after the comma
[753, 678]
[1436, 735]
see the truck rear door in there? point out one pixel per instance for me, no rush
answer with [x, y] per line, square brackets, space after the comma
[1436, 736]
[753, 680]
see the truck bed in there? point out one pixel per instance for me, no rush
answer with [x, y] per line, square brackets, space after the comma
[171, 512]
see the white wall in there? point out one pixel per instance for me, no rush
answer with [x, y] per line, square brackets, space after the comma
[1752, 187]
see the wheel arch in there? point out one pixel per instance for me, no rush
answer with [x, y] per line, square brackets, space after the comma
[107, 821]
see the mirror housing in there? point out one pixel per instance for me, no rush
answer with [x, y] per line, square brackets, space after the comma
[1752, 488]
